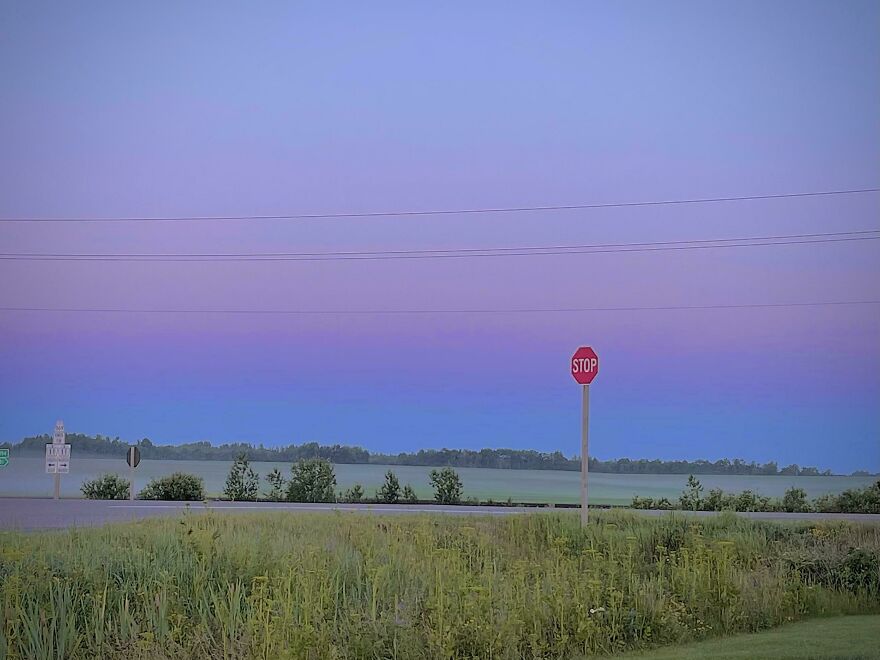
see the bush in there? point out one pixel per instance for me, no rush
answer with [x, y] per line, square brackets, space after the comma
[409, 495]
[795, 501]
[825, 503]
[242, 483]
[716, 500]
[178, 486]
[106, 487]
[354, 494]
[865, 500]
[276, 485]
[690, 499]
[312, 480]
[650, 503]
[746, 501]
[447, 486]
[389, 493]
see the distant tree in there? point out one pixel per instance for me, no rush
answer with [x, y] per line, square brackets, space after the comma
[312, 480]
[409, 495]
[518, 459]
[243, 483]
[276, 485]
[389, 492]
[447, 485]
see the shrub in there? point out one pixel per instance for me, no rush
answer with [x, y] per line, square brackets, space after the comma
[409, 495]
[690, 498]
[651, 503]
[106, 487]
[178, 486]
[716, 500]
[825, 503]
[860, 570]
[864, 500]
[354, 494]
[242, 483]
[795, 500]
[389, 493]
[746, 501]
[447, 486]
[312, 480]
[276, 485]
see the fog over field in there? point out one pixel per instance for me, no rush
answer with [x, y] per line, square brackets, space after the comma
[25, 477]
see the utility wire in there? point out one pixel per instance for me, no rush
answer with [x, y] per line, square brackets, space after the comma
[521, 251]
[360, 312]
[462, 211]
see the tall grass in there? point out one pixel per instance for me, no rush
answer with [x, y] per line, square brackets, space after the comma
[358, 586]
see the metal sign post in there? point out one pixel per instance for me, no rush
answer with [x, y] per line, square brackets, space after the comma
[58, 456]
[132, 457]
[585, 451]
[584, 368]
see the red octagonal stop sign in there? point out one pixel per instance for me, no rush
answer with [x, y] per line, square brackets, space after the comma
[584, 365]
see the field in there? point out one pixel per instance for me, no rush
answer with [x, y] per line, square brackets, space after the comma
[25, 477]
[349, 586]
[838, 638]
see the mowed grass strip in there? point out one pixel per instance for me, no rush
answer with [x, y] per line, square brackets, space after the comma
[281, 585]
[839, 638]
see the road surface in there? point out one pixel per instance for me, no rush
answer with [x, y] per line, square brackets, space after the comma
[33, 513]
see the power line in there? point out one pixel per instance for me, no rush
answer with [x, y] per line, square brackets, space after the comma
[521, 251]
[549, 310]
[461, 211]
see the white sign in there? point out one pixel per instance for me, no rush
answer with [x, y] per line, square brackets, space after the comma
[59, 436]
[57, 459]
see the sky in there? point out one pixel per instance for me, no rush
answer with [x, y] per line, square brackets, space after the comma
[165, 109]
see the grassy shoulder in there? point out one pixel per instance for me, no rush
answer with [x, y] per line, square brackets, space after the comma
[848, 637]
[418, 586]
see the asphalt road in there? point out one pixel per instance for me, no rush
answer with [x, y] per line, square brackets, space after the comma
[33, 513]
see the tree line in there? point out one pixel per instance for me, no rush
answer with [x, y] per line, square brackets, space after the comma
[514, 459]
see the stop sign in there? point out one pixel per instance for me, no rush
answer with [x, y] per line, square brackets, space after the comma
[584, 365]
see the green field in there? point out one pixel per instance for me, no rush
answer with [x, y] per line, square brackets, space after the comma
[26, 477]
[839, 638]
[345, 585]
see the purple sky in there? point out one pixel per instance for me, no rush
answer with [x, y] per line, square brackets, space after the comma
[136, 108]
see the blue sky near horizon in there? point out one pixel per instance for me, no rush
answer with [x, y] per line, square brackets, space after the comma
[229, 108]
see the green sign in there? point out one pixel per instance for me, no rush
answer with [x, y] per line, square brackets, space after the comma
[4, 457]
